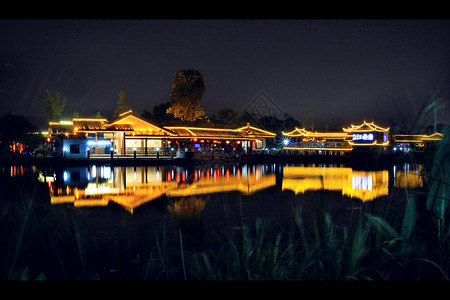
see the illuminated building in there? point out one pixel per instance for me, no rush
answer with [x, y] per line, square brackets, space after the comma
[129, 134]
[366, 136]
[415, 142]
[301, 141]
[246, 138]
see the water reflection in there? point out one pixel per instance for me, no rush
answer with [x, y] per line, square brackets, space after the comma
[364, 185]
[131, 187]
[408, 177]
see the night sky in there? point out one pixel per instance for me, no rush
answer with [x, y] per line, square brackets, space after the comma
[334, 72]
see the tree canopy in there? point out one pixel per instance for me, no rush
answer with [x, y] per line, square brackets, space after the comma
[122, 104]
[158, 115]
[53, 106]
[187, 91]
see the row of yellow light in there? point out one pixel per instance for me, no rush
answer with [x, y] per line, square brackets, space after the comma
[190, 130]
[297, 132]
[370, 127]
[318, 148]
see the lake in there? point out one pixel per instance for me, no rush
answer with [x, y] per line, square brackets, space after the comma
[105, 222]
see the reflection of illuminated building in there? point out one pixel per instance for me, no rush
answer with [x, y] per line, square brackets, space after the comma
[131, 187]
[364, 185]
[408, 178]
[215, 184]
[188, 206]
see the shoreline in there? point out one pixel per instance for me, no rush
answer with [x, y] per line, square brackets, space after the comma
[363, 159]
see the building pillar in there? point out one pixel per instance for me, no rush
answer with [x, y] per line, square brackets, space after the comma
[123, 145]
[146, 151]
[95, 147]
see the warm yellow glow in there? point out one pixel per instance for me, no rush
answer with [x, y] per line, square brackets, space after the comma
[218, 129]
[135, 196]
[411, 179]
[296, 132]
[140, 125]
[91, 202]
[302, 132]
[66, 122]
[133, 187]
[231, 134]
[434, 137]
[198, 128]
[62, 199]
[190, 131]
[146, 184]
[371, 144]
[254, 128]
[89, 120]
[318, 148]
[124, 113]
[246, 185]
[188, 206]
[418, 138]
[364, 185]
[365, 127]
[61, 123]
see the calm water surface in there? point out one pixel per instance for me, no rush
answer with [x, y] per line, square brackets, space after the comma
[105, 217]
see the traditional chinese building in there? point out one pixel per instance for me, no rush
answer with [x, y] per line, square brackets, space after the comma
[416, 142]
[301, 141]
[366, 136]
[130, 134]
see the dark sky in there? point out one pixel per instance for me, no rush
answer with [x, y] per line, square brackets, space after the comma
[323, 71]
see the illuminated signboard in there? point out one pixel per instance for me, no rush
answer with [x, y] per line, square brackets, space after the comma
[363, 137]
[196, 145]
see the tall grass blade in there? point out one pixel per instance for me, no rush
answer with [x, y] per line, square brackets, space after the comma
[409, 218]
[276, 249]
[359, 248]
[182, 254]
[80, 248]
[301, 229]
[20, 237]
[383, 227]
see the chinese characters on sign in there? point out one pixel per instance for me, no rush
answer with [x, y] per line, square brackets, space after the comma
[362, 137]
